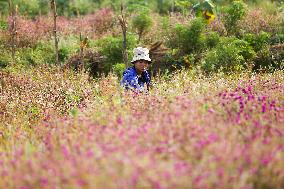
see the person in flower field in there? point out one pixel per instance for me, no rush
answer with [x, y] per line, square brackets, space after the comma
[137, 77]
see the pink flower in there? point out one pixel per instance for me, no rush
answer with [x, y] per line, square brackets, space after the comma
[263, 108]
[266, 159]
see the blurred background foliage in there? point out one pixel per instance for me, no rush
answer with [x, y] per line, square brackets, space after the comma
[208, 35]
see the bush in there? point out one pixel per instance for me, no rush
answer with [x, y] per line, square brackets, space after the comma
[264, 57]
[137, 5]
[270, 58]
[80, 7]
[257, 41]
[142, 23]
[234, 13]
[28, 7]
[111, 48]
[163, 6]
[212, 39]
[34, 56]
[229, 55]
[5, 58]
[191, 38]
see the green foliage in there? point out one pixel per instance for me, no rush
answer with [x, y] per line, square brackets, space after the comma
[263, 59]
[80, 7]
[5, 58]
[33, 56]
[163, 6]
[67, 46]
[259, 41]
[3, 25]
[212, 39]
[62, 7]
[111, 48]
[137, 5]
[118, 69]
[279, 38]
[260, 44]
[229, 55]
[183, 6]
[142, 23]
[4, 8]
[190, 39]
[41, 53]
[235, 12]
[28, 7]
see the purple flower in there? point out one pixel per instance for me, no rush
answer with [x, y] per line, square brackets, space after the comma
[263, 108]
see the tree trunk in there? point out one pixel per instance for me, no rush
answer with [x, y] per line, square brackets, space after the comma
[123, 24]
[13, 14]
[81, 53]
[53, 7]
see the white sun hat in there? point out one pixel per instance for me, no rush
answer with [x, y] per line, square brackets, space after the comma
[141, 53]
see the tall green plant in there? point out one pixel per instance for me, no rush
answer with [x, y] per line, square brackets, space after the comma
[142, 23]
[230, 55]
[234, 13]
[191, 38]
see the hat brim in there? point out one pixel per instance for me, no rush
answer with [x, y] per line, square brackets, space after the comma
[148, 60]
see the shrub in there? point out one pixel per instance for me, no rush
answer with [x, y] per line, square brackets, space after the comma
[5, 58]
[183, 6]
[270, 58]
[190, 38]
[137, 5]
[212, 39]
[263, 61]
[111, 48]
[80, 7]
[68, 45]
[257, 41]
[28, 7]
[142, 23]
[4, 8]
[163, 6]
[33, 56]
[234, 13]
[229, 55]
[264, 57]
[93, 63]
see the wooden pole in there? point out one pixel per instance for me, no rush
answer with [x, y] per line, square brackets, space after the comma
[13, 14]
[53, 7]
[123, 25]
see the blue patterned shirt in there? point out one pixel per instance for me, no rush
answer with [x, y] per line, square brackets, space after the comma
[131, 80]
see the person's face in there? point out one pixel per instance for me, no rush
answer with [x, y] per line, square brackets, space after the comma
[141, 65]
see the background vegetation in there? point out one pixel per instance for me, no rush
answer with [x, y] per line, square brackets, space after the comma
[251, 32]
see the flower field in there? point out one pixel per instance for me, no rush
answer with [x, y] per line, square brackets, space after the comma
[212, 119]
[64, 130]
